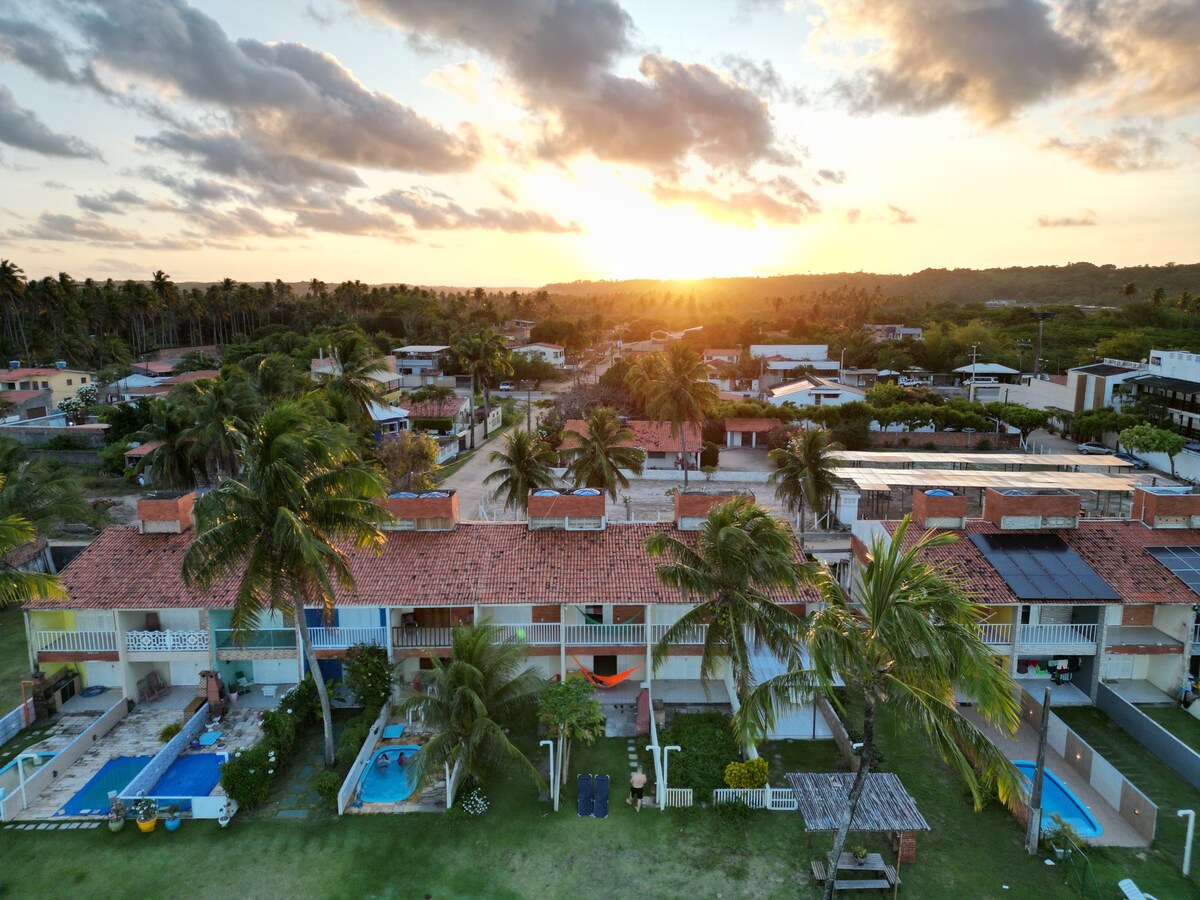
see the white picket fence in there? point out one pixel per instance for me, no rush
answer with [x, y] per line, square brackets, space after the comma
[778, 799]
[678, 797]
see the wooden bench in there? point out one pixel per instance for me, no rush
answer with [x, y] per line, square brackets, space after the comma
[818, 869]
[866, 884]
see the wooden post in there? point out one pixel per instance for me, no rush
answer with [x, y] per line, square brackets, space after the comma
[1034, 825]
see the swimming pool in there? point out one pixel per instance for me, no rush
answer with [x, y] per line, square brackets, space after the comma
[1058, 798]
[10, 775]
[189, 776]
[114, 775]
[388, 784]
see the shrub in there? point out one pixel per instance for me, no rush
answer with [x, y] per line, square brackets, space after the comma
[733, 813]
[353, 736]
[983, 445]
[749, 774]
[708, 746]
[369, 676]
[327, 784]
[248, 775]
[710, 454]
[65, 442]
[113, 458]
[169, 731]
[929, 445]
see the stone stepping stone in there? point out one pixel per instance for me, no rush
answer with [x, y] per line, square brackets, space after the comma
[44, 826]
[633, 755]
[73, 825]
[632, 764]
[91, 825]
[9, 827]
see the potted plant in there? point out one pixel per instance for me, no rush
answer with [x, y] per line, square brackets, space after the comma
[146, 810]
[225, 816]
[116, 815]
[172, 820]
[860, 855]
[1062, 837]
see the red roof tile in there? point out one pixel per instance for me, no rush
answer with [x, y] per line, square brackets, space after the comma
[435, 409]
[476, 563]
[1116, 549]
[653, 437]
[759, 425]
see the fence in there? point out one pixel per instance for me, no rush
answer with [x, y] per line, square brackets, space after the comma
[778, 799]
[354, 776]
[1170, 750]
[161, 761]
[166, 641]
[678, 797]
[1118, 791]
[67, 757]
[16, 721]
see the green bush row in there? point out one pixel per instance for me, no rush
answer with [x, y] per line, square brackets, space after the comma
[708, 747]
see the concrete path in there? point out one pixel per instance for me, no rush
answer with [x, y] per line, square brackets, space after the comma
[468, 480]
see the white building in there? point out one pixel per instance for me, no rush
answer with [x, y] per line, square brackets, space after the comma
[554, 354]
[419, 359]
[811, 390]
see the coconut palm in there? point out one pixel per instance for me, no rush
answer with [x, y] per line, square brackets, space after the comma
[356, 363]
[743, 558]
[283, 531]
[804, 474]
[37, 489]
[910, 637]
[523, 466]
[173, 463]
[484, 354]
[600, 451]
[12, 290]
[223, 412]
[672, 388]
[469, 701]
[15, 584]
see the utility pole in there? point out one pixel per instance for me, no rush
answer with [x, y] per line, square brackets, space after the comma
[1034, 826]
[974, 373]
[1041, 318]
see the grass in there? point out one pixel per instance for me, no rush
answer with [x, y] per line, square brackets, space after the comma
[1157, 869]
[1179, 722]
[14, 657]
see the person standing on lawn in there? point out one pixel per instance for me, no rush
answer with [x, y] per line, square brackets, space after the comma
[637, 787]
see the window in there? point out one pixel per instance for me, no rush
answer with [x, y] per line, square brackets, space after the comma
[657, 454]
[45, 385]
[83, 380]
[594, 615]
[70, 381]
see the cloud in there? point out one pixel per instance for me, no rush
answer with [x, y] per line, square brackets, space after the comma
[778, 200]
[112, 202]
[460, 80]
[991, 58]
[563, 56]
[763, 79]
[348, 218]
[193, 190]
[852, 216]
[34, 47]
[62, 227]
[900, 216]
[115, 265]
[1125, 149]
[890, 214]
[833, 176]
[433, 211]
[1086, 219]
[20, 127]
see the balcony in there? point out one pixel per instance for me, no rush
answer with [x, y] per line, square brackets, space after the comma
[994, 634]
[341, 638]
[166, 641]
[1057, 638]
[548, 634]
[259, 639]
[75, 641]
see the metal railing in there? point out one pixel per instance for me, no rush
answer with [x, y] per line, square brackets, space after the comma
[259, 639]
[995, 633]
[694, 635]
[75, 641]
[1057, 634]
[606, 635]
[408, 636]
[537, 633]
[165, 641]
[541, 634]
[339, 638]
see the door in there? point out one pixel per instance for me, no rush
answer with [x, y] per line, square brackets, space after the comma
[604, 665]
[274, 671]
[104, 674]
[1118, 666]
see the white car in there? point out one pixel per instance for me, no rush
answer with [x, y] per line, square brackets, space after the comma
[507, 386]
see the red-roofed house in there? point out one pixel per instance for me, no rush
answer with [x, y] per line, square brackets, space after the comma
[663, 449]
[58, 379]
[748, 432]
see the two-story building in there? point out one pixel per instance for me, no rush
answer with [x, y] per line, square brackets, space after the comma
[422, 360]
[60, 381]
[663, 449]
[555, 354]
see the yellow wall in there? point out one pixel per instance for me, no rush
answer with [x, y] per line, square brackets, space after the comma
[52, 620]
[999, 615]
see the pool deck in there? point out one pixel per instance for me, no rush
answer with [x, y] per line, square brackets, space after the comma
[1024, 745]
[135, 735]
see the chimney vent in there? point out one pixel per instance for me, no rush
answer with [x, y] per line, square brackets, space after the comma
[421, 511]
[165, 512]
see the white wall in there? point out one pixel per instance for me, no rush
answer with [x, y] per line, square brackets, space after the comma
[183, 674]
[180, 619]
[274, 671]
[358, 617]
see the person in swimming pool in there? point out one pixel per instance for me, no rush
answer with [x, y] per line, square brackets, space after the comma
[382, 762]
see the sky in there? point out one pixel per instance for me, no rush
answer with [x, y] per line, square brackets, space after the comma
[512, 143]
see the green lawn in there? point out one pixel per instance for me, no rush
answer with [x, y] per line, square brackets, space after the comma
[1179, 722]
[1156, 870]
[14, 657]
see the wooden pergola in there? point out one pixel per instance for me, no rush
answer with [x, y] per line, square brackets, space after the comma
[884, 805]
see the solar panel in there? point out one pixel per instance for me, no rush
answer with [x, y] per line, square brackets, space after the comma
[1182, 562]
[1044, 567]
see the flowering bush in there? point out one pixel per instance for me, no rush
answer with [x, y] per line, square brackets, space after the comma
[749, 774]
[475, 803]
[370, 677]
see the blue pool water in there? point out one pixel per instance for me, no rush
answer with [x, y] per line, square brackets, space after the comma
[189, 776]
[1058, 798]
[114, 775]
[391, 784]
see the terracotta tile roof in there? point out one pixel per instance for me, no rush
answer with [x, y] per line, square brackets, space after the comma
[142, 449]
[653, 437]
[192, 376]
[22, 396]
[759, 425]
[40, 371]
[722, 351]
[436, 409]
[1116, 549]
[476, 563]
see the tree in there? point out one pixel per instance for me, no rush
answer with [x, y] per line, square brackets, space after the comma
[523, 466]
[37, 489]
[485, 355]
[1023, 418]
[408, 459]
[282, 532]
[1148, 439]
[672, 388]
[354, 367]
[741, 558]
[223, 413]
[469, 701]
[569, 710]
[804, 474]
[529, 367]
[600, 451]
[369, 676]
[16, 585]
[908, 637]
[173, 463]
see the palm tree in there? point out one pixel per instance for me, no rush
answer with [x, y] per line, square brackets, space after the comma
[12, 289]
[37, 489]
[485, 355]
[469, 701]
[673, 389]
[804, 474]
[523, 466]
[742, 559]
[223, 413]
[356, 362]
[16, 585]
[909, 637]
[283, 531]
[173, 463]
[600, 451]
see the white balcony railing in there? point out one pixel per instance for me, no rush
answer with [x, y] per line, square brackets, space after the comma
[538, 634]
[420, 637]
[75, 641]
[340, 638]
[543, 634]
[995, 633]
[1066, 635]
[694, 635]
[165, 641]
[606, 635]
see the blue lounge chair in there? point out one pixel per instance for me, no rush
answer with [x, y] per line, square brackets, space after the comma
[600, 805]
[392, 732]
[583, 792]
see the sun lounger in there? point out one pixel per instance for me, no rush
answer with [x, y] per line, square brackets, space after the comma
[1132, 891]
[392, 732]
[583, 790]
[600, 803]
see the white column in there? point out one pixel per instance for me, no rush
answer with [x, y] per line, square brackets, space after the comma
[562, 643]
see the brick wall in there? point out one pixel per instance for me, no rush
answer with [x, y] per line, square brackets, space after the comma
[547, 614]
[629, 614]
[1148, 506]
[997, 506]
[166, 514]
[905, 845]
[565, 505]
[1137, 615]
[925, 508]
[422, 507]
[944, 440]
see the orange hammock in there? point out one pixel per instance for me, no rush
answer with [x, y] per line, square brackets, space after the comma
[604, 681]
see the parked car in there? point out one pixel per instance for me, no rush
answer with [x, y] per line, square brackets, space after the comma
[1093, 447]
[1136, 461]
[507, 386]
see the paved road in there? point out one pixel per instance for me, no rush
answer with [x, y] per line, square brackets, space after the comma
[468, 480]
